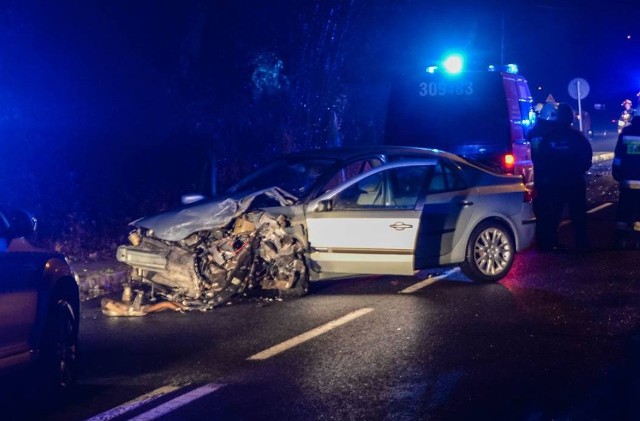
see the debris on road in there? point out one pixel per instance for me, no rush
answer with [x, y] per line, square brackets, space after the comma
[115, 308]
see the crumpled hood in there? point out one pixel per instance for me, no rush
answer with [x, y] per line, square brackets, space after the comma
[179, 223]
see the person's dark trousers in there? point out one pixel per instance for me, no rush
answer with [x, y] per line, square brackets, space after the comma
[576, 197]
[548, 208]
[550, 204]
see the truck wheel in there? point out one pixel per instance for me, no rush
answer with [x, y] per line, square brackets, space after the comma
[490, 252]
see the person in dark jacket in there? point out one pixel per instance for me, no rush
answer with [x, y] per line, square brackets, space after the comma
[626, 171]
[561, 160]
[544, 124]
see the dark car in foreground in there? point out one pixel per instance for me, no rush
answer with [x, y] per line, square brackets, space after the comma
[335, 213]
[39, 309]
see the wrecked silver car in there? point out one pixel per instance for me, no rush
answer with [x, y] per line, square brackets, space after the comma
[334, 213]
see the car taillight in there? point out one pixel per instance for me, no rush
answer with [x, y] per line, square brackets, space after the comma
[509, 161]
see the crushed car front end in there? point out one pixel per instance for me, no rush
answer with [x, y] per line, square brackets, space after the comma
[244, 247]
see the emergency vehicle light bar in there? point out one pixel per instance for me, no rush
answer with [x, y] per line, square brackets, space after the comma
[509, 68]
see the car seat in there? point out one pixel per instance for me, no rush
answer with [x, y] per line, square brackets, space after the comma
[371, 191]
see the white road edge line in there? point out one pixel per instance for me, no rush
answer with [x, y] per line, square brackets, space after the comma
[297, 340]
[177, 402]
[133, 404]
[594, 210]
[427, 282]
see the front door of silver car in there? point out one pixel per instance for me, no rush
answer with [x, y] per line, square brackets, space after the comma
[369, 225]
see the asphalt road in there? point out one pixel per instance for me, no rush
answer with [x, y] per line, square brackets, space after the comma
[558, 338]
[604, 141]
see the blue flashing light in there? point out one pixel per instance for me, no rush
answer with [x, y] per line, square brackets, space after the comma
[512, 68]
[453, 64]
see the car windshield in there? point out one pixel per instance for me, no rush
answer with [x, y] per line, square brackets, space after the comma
[294, 175]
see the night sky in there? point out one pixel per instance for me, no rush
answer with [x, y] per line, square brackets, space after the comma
[110, 98]
[112, 65]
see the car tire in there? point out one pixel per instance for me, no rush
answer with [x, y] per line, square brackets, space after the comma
[58, 352]
[490, 252]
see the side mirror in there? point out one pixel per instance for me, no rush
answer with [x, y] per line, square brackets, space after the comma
[325, 205]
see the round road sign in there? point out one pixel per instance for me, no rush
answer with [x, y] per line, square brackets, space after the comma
[578, 88]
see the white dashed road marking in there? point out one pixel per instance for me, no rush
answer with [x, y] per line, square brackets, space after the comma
[297, 340]
[597, 208]
[133, 404]
[594, 210]
[177, 402]
[427, 282]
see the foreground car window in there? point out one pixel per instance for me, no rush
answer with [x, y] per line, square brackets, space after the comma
[296, 176]
[350, 171]
[395, 188]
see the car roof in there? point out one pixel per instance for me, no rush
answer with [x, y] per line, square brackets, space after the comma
[352, 152]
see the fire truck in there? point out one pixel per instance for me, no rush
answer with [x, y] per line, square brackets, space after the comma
[483, 115]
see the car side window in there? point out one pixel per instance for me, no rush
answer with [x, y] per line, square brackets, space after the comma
[406, 184]
[395, 188]
[367, 192]
[445, 178]
[350, 171]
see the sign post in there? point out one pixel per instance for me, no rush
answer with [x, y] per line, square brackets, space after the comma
[578, 89]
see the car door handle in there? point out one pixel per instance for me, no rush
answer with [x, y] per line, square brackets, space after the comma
[400, 226]
[465, 203]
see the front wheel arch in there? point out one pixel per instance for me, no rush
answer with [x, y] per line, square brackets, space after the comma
[490, 251]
